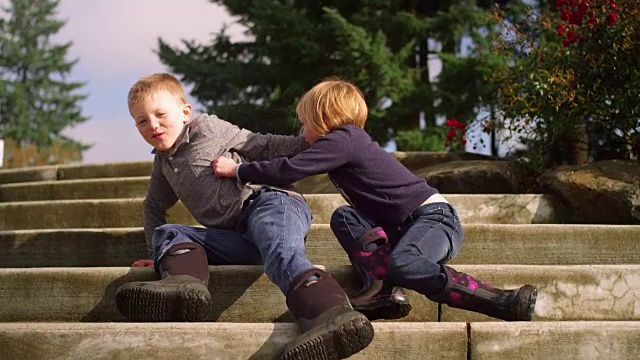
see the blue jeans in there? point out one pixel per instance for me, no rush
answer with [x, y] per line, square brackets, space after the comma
[271, 231]
[432, 235]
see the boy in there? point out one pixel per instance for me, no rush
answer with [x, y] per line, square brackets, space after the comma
[244, 224]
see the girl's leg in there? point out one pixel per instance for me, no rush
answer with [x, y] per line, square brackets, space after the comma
[368, 248]
[431, 237]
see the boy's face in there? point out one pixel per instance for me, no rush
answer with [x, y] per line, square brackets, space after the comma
[160, 119]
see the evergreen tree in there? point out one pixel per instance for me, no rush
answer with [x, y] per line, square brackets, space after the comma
[36, 100]
[381, 45]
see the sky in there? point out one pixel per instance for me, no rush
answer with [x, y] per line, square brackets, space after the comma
[114, 42]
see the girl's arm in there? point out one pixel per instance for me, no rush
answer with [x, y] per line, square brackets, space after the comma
[326, 154]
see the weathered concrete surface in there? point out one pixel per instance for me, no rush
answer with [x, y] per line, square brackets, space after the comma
[244, 294]
[592, 292]
[555, 340]
[240, 293]
[92, 171]
[218, 341]
[37, 173]
[548, 244]
[411, 159]
[104, 188]
[60, 214]
[77, 171]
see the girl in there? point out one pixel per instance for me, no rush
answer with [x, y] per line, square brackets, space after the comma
[397, 230]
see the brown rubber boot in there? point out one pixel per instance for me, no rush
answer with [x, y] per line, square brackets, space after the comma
[464, 292]
[331, 329]
[181, 295]
[378, 298]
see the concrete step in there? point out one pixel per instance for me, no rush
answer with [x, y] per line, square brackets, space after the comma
[540, 244]
[409, 340]
[220, 341]
[554, 340]
[61, 214]
[117, 187]
[244, 293]
[102, 188]
[78, 171]
[411, 159]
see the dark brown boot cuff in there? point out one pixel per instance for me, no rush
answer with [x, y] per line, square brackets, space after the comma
[309, 299]
[186, 258]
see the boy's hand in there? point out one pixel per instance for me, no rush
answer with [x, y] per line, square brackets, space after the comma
[224, 167]
[142, 263]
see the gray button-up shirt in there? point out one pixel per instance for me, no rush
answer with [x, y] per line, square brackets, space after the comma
[185, 172]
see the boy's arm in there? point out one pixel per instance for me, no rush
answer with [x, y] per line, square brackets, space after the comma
[325, 155]
[160, 197]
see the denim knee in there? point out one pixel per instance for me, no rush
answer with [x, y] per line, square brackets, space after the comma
[338, 216]
[397, 266]
[163, 236]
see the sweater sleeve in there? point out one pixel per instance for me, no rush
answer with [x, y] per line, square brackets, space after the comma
[326, 154]
[160, 197]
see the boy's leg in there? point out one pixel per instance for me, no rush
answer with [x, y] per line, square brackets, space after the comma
[368, 248]
[277, 224]
[180, 256]
[431, 238]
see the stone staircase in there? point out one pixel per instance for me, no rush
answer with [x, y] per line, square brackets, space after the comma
[69, 234]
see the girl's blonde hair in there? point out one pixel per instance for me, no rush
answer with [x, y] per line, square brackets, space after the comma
[331, 104]
[153, 84]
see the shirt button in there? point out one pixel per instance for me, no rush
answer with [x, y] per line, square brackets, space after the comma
[175, 170]
[170, 157]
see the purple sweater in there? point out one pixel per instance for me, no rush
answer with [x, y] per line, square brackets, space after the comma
[370, 179]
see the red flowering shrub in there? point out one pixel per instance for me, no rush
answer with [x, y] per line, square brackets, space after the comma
[456, 135]
[573, 83]
[581, 17]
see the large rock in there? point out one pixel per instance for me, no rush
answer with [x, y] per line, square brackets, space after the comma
[605, 192]
[471, 177]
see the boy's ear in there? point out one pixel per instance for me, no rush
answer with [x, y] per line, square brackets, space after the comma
[186, 111]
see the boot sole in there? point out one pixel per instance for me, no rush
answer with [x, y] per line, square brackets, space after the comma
[386, 312]
[531, 294]
[384, 308]
[146, 305]
[347, 334]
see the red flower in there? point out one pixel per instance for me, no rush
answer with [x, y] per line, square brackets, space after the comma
[566, 42]
[559, 3]
[561, 29]
[572, 36]
[614, 6]
[582, 8]
[451, 134]
[611, 19]
[575, 18]
[565, 14]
